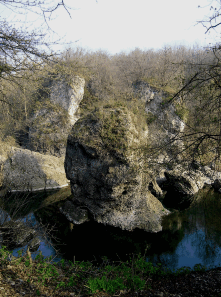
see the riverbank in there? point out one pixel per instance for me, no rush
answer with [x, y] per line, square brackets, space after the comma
[42, 277]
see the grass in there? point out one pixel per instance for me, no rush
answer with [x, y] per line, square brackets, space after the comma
[83, 277]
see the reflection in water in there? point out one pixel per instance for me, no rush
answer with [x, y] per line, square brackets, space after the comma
[20, 206]
[200, 225]
[189, 237]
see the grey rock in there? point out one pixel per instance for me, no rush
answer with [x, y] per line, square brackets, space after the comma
[68, 96]
[25, 170]
[165, 124]
[51, 124]
[189, 182]
[74, 213]
[34, 244]
[107, 176]
[155, 189]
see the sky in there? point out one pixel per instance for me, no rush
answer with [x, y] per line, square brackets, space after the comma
[123, 25]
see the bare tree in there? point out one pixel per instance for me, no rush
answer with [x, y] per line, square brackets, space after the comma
[20, 49]
[23, 59]
[201, 91]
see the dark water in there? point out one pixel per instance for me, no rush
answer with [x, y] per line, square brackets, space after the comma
[189, 237]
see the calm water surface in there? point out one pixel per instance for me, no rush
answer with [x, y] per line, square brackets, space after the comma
[189, 237]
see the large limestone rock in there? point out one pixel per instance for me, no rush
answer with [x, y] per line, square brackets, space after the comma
[52, 122]
[24, 170]
[105, 163]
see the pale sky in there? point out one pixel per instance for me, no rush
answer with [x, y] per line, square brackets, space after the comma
[122, 25]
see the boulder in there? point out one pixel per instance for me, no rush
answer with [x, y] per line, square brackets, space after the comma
[16, 234]
[187, 182]
[24, 170]
[106, 165]
[74, 213]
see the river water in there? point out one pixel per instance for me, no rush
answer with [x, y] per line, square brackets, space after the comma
[190, 236]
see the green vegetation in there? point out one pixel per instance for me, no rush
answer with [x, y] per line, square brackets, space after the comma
[114, 131]
[83, 277]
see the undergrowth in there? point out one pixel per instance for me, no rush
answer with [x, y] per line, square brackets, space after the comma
[83, 277]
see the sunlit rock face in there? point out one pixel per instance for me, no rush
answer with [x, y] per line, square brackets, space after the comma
[105, 163]
[51, 124]
[68, 95]
[163, 122]
[155, 104]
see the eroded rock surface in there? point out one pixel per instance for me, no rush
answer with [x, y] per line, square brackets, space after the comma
[105, 163]
[68, 96]
[163, 122]
[188, 182]
[52, 122]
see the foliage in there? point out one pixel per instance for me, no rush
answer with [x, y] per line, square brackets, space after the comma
[84, 278]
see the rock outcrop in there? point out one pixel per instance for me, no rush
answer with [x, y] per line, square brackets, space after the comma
[52, 122]
[112, 181]
[27, 169]
[164, 124]
[16, 234]
[24, 170]
[106, 165]
[68, 96]
[187, 182]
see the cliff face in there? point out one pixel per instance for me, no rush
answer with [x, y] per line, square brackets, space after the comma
[164, 123]
[68, 96]
[107, 159]
[52, 122]
[106, 165]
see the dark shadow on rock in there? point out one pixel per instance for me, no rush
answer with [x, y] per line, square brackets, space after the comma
[174, 200]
